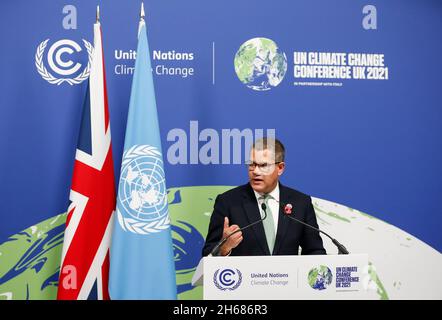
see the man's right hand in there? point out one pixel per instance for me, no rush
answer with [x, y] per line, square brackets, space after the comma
[233, 241]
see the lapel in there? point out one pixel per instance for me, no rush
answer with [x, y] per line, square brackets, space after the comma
[252, 211]
[283, 221]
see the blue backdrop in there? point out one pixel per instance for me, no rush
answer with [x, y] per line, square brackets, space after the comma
[374, 145]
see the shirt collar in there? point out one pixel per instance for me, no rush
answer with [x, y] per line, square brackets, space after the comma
[274, 193]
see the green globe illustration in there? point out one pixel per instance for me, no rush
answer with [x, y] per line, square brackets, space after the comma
[259, 64]
[320, 278]
[30, 259]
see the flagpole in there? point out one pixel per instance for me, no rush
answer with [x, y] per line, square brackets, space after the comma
[97, 16]
[142, 15]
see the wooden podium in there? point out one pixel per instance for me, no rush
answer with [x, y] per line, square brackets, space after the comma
[333, 277]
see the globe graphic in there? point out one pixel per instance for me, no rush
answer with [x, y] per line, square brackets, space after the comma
[260, 64]
[320, 278]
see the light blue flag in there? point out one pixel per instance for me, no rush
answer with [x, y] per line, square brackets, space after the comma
[141, 256]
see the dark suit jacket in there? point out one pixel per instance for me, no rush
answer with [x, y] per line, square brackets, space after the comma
[241, 207]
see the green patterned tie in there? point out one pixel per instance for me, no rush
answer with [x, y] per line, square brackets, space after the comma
[269, 225]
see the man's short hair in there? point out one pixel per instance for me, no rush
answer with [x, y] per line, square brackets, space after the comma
[273, 144]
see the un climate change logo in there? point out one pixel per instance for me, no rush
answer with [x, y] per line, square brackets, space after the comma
[142, 206]
[260, 64]
[227, 279]
[57, 55]
[320, 278]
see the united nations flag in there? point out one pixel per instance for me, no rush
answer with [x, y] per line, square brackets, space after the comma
[141, 256]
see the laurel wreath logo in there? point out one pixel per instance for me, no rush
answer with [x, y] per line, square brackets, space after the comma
[133, 225]
[53, 80]
[215, 281]
[136, 226]
[137, 150]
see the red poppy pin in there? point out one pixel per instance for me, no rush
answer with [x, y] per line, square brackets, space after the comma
[288, 208]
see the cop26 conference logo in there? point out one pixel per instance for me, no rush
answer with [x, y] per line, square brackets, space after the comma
[259, 64]
[227, 279]
[320, 278]
[142, 195]
[62, 68]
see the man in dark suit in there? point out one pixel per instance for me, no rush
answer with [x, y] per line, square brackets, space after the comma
[277, 234]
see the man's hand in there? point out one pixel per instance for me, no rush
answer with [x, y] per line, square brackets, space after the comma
[233, 241]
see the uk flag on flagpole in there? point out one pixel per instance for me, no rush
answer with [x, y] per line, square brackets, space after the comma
[84, 269]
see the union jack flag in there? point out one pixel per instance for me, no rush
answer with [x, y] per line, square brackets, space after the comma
[84, 269]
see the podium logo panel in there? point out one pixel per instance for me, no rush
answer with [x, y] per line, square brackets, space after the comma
[227, 279]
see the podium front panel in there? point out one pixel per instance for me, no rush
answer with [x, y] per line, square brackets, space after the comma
[287, 277]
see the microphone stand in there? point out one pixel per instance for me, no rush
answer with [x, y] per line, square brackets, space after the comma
[341, 248]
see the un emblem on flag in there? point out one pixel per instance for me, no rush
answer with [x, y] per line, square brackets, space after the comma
[142, 195]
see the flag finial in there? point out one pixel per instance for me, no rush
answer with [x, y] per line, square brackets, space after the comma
[98, 14]
[142, 15]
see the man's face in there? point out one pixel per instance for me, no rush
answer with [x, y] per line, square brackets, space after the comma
[264, 173]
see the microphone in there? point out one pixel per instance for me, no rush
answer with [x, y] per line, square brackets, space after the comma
[288, 211]
[217, 248]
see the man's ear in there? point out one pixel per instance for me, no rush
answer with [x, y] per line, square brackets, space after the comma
[281, 167]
